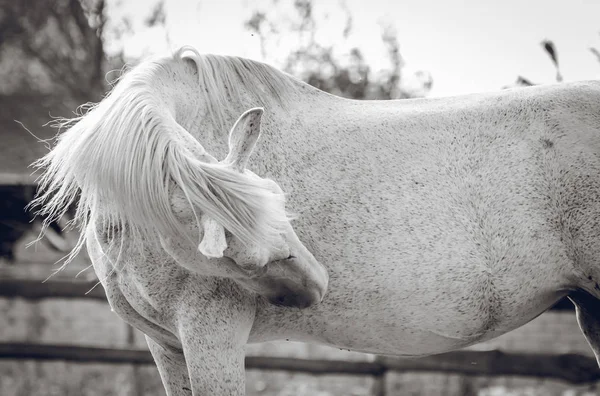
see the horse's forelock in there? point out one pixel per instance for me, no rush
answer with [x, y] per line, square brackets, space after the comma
[123, 157]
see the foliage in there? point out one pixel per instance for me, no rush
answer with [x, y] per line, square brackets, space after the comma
[51, 60]
[53, 46]
[319, 65]
[550, 49]
[126, 21]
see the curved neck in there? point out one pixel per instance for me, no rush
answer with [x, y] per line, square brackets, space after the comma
[282, 122]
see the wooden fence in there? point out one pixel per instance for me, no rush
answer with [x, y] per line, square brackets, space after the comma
[572, 368]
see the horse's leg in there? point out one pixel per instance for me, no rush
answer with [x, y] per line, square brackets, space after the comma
[588, 317]
[213, 333]
[172, 368]
[214, 367]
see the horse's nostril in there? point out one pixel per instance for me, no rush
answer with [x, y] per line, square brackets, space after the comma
[291, 300]
[290, 257]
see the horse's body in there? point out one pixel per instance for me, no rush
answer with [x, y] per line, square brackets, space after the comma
[441, 222]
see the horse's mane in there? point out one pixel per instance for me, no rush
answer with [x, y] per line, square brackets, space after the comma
[123, 158]
[226, 77]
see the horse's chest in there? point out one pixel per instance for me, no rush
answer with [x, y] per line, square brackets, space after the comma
[135, 292]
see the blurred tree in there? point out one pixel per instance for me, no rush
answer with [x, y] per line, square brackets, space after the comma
[126, 21]
[60, 46]
[550, 49]
[595, 52]
[53, 57]
[53, 46]
[51, 60]
[318, 65]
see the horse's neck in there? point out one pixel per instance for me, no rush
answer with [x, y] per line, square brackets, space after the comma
[306, 109]
[315, 140]
[320, 134]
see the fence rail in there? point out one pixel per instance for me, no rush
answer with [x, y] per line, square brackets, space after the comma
[54, 288]
[17, 179]
[572, 368]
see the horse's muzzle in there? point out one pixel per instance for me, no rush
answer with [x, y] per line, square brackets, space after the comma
[292, 288]
[294, 300]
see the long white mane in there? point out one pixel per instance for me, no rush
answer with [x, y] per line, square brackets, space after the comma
[124, 157]
[225, 77]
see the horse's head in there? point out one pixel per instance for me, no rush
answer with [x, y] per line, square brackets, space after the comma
[137, 173]
[282, 270]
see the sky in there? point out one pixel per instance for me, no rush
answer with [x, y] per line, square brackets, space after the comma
[467, 46]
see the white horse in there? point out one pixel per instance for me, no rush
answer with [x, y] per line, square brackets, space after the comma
[422, 226]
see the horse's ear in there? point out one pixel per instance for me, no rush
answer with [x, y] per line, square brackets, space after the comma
[243, 137]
